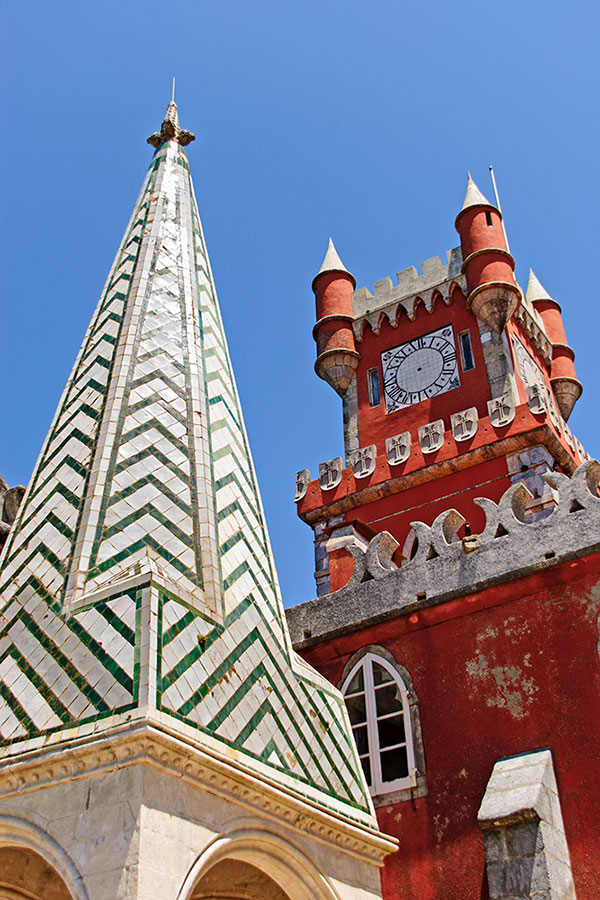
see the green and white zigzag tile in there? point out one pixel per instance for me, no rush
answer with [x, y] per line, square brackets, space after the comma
[146, 479]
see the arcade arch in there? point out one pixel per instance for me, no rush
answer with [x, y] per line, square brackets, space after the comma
[253, 864]
[25, 875]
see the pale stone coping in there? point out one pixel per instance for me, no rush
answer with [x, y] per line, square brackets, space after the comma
[508, 548]
[411, 289]
[152, 742]
[518, 788]
[523, 832]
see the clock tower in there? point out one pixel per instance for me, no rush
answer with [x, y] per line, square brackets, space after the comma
[457, 562]
[455, 383]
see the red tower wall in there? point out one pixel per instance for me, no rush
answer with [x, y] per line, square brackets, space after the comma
[374, 423]
[496, 673]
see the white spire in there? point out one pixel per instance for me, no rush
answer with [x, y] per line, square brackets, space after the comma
[333, 263]
[535, 289]
[474, 197]
[142, 536]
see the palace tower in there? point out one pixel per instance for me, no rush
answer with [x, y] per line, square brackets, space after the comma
[457, 566]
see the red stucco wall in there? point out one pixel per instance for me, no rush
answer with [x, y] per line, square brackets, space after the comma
[499, 672]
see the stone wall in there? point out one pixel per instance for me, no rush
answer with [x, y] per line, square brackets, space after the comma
[10, 500]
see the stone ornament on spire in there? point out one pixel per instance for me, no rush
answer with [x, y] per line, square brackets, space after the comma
[170, 130]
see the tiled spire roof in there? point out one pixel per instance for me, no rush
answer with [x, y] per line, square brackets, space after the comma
[138, 574]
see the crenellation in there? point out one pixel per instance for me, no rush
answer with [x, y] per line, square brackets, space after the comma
[533, 325]
[385, 293]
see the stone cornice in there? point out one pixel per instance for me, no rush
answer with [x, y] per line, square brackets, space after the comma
[152, 743]
[509, 548]
[344, 504]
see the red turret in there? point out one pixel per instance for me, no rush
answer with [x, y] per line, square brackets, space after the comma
[337, 357]
[567, 389]
[493, 294]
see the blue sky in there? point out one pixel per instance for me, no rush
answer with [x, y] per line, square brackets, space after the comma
[337, 117]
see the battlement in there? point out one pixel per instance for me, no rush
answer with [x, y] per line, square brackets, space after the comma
[533, 325]
[442, 568]
[389, 299]
[409, 283]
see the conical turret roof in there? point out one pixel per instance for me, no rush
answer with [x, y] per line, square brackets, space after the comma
[535, 289]
[333, 263]
[139, 574]
[473, 196]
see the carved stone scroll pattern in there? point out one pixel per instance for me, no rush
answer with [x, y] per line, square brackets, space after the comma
[507, 530]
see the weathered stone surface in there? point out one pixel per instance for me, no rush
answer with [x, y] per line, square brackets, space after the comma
[391, 300]
[509, 545]
[523, 834]
[10, 500]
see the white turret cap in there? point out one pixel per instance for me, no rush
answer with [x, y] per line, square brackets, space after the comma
[536, 290]
[333, 263]
[474, 197]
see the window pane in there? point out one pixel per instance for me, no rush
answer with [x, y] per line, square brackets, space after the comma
[388, 699]
[366, 765]
[356, 709]
[467, 351]
[391, 731]
[394, 764]
[357, 684]
[362, 739]
[373, 385]
[381, 675]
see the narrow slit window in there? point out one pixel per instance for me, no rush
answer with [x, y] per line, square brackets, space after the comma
[488, 217]
[373, 386]
[466, 351]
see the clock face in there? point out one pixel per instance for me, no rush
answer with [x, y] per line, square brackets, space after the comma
[420, 369]
[530, 372]
[528, 368]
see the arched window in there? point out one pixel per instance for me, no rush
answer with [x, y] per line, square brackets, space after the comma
[378, 705]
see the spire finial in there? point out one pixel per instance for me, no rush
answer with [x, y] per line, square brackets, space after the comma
[170, 130]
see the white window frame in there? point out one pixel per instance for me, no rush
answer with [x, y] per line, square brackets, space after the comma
[378, 786]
